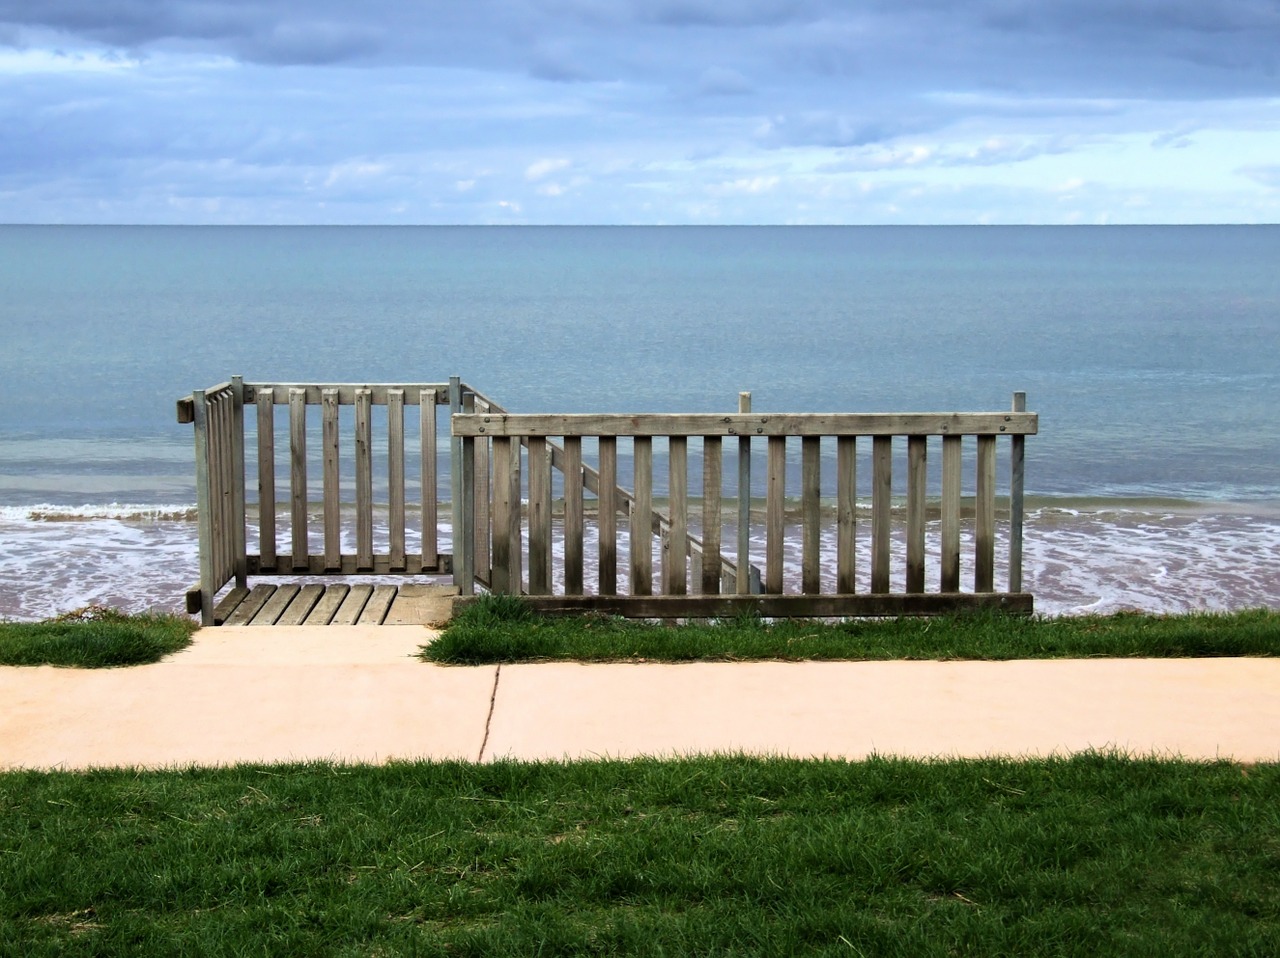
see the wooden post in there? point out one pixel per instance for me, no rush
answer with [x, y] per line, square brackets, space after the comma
[465, 529]
[430, 509]
[642, 518]
[607, 520]
[675, 553]
[775, 518]
[984, 537]
[265, 399]
[811, 511]
[332, 490]
[364, 479]
[573, 524]
[455, 480]
[917, 452]
[846, 514]
[744, 502]
[237, 479]
[1017, 460]
[539, 517]
[881, 504]
[951, 478]
[501, 581]
[483, 511]
[712, 464]
[395, 477]
[298, 476]
[204, 500]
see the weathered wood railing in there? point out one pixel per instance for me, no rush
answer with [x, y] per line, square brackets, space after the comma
[221, 425]
[489, 433]
[366, 440]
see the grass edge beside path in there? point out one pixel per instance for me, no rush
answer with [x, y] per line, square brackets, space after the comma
[1090, 855]
[94, 637]
[503, 629]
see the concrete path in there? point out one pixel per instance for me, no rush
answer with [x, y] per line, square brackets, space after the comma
[359, 694]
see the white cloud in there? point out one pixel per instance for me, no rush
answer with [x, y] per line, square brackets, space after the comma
[542, 168]
[32, 61]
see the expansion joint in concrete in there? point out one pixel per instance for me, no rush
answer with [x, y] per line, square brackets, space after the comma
[488, 719]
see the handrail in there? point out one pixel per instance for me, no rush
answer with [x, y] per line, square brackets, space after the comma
[661, 523]
[507, 432]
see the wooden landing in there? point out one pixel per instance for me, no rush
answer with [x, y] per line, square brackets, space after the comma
[314, 604]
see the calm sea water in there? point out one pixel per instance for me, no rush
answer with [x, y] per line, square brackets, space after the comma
[1151, 354]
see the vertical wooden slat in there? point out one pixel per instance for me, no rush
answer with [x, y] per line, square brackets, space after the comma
[712, 466]
[265, 400]
[332, 489]
[573, 526]
[607, 520]
[464, 548]
[500, 578]
[775, 518]
[984, 538]
[743, 586]
[917, 478]
[1017, 478]
[642, 518]
[810, 508]
[675, 565]
[881, 504]
[217, 486]
[204, 517]
[484, 513]
[430, 508]
[539, 517]
[951, 478]
[226, 519]
[395, 476]
[237, 482]
[455, 476]
[364, 479]
[298, 475]
[846, 514]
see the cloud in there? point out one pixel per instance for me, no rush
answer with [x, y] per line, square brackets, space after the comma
[1268, 176]
[723, 81]
[711, 109]
[543, 168]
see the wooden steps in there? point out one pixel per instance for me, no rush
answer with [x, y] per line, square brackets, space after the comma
[314, 604]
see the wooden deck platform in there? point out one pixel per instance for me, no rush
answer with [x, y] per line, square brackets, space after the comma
[314, 604]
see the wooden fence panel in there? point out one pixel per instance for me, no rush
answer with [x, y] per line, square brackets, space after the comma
[332, 491]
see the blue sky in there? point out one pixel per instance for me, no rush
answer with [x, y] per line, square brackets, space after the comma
[639, 111]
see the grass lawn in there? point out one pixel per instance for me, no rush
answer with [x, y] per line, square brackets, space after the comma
[502, 629]
[1093, 855]
[94, 637]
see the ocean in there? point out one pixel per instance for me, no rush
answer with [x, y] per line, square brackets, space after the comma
[1152, 355]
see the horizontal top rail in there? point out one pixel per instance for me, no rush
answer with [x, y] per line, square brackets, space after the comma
[281, 394]
[747, 425]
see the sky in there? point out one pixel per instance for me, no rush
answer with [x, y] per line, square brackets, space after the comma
[639, 111]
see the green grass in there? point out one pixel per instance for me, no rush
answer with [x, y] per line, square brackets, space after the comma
[1092, 855]
[503, 629]
[94, 638]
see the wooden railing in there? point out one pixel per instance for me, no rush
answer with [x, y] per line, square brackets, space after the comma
[346, 492]
[488, 434]
[367, 438]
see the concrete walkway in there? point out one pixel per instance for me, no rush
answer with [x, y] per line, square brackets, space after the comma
[359, 694]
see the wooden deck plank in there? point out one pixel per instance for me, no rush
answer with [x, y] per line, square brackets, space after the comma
[227, 605]
[301, 606]
[349, 612]
[270, 613]
[322, 612]
[375, 610]
[252, 603]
